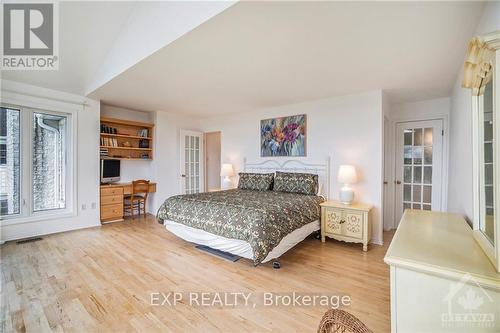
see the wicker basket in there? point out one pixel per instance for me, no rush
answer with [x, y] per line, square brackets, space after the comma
[339, 321]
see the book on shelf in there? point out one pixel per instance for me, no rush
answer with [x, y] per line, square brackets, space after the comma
[143, 133]
[109, 142]
[104, 152]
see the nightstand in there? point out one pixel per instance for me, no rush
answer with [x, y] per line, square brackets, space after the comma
[348, 223]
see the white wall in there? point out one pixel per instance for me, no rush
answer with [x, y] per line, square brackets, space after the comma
[87, 180]
[166, 163]
[111, 111]
[460, 197]
[421, 110]
[212, 160]
[349, 129]
[387, 188]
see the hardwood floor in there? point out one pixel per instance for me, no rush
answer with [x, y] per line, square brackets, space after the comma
[101, 279]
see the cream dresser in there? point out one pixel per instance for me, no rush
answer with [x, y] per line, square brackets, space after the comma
[348, 223]
[441, 280]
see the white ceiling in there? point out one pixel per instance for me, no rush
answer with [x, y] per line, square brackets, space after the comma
[261, 54]
[86, 32]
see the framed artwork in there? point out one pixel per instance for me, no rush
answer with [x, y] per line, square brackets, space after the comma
[284, 136]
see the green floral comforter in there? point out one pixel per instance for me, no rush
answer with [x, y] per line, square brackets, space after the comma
[261, 218]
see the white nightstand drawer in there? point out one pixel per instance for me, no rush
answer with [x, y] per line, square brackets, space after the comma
[353, 225]
[333, 223]
[349, 223]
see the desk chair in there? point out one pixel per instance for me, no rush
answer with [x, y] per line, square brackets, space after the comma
[138, 198]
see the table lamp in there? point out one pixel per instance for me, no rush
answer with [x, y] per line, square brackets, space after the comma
[347, 176]
[226, 171]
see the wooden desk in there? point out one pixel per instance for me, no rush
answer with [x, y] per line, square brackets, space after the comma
[111, 202]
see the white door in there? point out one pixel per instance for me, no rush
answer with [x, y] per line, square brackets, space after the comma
[191, 162]
[419, 163]
[388, 212]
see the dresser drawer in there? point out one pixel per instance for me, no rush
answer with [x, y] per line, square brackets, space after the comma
[111, 199]
[111, 211]
[111, 191]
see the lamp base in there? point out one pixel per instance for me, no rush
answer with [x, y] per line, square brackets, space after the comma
[346, 195]
[226, 183]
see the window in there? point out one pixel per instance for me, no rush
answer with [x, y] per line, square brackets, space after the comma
[35, 162]
[3, 154]
[10, 172]
[4, 207]
[49, 166]
[3, 137]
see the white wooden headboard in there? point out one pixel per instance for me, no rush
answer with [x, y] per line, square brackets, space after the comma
[322, 169]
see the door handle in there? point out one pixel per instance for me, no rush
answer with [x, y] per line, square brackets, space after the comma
[385, 182]
[183, 176]
[398, 182]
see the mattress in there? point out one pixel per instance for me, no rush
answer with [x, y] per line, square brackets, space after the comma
[259, 218]
[237, 246]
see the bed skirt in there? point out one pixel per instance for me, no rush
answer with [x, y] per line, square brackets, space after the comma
[237, 246]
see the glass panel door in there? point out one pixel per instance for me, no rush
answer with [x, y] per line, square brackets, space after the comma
[191, 162]
[418, 166]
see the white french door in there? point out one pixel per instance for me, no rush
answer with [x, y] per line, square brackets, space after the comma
[191, 162]
[419, 166]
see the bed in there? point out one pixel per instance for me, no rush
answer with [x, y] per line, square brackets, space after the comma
[259, 225]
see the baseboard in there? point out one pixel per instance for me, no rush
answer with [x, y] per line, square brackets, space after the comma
[19, 231]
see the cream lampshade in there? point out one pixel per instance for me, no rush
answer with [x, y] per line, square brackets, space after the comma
[226, 171]
[347, 176]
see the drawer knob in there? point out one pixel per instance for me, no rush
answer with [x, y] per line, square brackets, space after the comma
[342, 221]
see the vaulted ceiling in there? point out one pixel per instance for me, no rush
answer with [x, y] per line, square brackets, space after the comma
[261, 54]
[86, 31]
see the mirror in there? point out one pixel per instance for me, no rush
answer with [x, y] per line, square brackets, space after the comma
[487, 159]
[482, 76]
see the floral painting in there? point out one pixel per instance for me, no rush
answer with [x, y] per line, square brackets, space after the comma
[285, 136]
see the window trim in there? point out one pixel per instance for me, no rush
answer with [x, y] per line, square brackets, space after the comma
[27, 110]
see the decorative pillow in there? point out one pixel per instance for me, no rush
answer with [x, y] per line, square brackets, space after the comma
[255, 181]
[303, 183]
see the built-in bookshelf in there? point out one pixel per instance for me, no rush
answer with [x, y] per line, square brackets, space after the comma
[125, 139]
